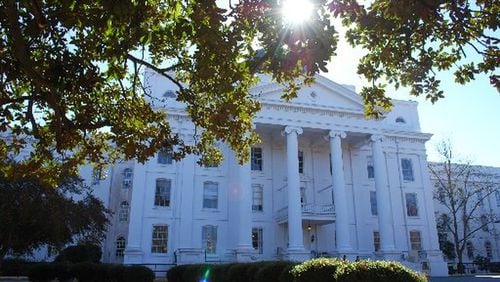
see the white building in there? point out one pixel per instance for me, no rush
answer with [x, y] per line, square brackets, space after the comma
[483, 208]
[324, 182]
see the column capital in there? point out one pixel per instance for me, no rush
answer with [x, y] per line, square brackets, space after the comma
[337, 133]
[377, 138]
[290, 129]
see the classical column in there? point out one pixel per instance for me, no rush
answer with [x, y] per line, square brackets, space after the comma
[341, 211]
[244, 182]
[133, 251]
[295, 240]
[383, 200]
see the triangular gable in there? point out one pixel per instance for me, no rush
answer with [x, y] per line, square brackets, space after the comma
[322, 92]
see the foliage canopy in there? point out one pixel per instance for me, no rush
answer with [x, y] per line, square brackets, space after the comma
[34, 214]
[71, 89]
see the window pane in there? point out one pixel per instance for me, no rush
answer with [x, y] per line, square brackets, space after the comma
[411, 204]
[407, 169]
[257, 242]
[369, 168]
[258, 198]
[127, 178]
[160, 239]
[162, 192]
[415, 240]
[165, 156]
[124, 211]
[373, 202]
[256, 163]
[487, 247]
[120, 247]
[301, 162]
[209, 239]
[376, 241]
[210, 195]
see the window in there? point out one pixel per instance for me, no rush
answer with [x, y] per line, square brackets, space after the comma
[160, 239]
[257, 243]
[411, 204]
[210, 195]
[209, 238]
[97, 176]
[470, 250]
[415, 240]
[257, 197]
[400, 120]
[497, 196]
[373, 202]
[487, 247]
[127, 178]
[479, 196]
[330, 163]
[407, 168]
[124, 210]
[301, 162]
[120, 247]
[369, 168]
[303, 199]
[165, 156]
[376, 241]
[484, 223]
[256, 163]
[162, 192]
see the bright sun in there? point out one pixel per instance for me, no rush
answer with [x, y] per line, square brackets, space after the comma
[296, 11]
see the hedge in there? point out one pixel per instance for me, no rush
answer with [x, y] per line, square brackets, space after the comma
[80, 253]
[377, 271]
[272, 272]
[90, 272]
[318, 270]
[16, 267]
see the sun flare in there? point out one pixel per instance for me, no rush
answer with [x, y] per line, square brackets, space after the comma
[296, 11]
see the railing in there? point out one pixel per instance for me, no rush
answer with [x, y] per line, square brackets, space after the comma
[308, 210]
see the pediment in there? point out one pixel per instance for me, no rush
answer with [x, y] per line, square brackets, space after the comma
[322, 92]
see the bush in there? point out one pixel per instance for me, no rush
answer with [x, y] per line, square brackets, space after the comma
[196, 272]
[136, 273]
[16, 267]
[89, 272]
[238, 272]
[272, 271]
[80, 253]
[43, 272]
[286, 274]
[494, 267]
[318, 270]
[377, 271]
[175, 273]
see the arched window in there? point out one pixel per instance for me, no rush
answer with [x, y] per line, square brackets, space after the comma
[120, 247]
[127, 178]
[400, 120]
[487, 247]
[124, 211]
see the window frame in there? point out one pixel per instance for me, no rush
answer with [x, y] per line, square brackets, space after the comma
[165, 157]
[163, 195]
[123, 215]
[370, 171]
[376, 241]
[255, 200]
[120, 244]
[256, 161]
[373, 203]
[414, 243]
[206, 196]
[127, 176]
[407, 169]
[159, 239]
[258, 240]
[209, 235]
[411, 211]
[300, 156]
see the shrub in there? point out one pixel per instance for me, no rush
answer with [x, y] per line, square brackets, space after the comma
[80, 253]
[89, 272]
[318, 270]
[494, 267]
[377, 271]
[196, 272]
[16, 267]
[286, 274]
[136, 273]
[238, 272]
[272, 271]
[42, 272]
[175, 273]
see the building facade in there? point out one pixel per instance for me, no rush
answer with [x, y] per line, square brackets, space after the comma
[324, 181]
[478, 189]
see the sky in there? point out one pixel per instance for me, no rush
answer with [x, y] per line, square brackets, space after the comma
[469, 115]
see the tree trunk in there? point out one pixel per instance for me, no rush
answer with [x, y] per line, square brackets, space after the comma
[460, 265]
